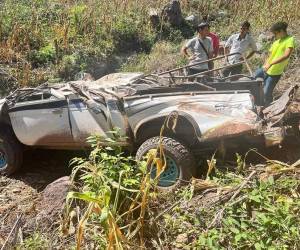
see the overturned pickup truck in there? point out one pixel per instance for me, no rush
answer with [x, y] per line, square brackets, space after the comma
[62, 116]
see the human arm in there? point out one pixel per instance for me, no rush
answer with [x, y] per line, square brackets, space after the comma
[285, 56]
[210, 50]
[185, 52]
[217, 47]
[228, 44]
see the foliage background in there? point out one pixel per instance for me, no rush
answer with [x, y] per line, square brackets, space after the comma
[44, 40]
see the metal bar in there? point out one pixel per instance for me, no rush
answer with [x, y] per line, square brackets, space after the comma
[204, 72]
[238, 75]
[205, 86]
[248, 66]
[172, 79]
[195, 64]
[192, 93]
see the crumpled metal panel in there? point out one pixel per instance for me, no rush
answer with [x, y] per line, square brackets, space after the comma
[277, 112]
[229, 129]
[232, 119]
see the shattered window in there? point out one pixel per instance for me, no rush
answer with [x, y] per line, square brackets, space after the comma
[36, 97]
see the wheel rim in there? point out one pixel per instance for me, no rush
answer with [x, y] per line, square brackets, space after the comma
[3, 161]
[169, 176]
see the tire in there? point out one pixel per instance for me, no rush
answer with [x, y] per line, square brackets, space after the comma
[11, 153]
[181, 164]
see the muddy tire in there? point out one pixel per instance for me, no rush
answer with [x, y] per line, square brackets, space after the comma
[181, 165]
[11, 153]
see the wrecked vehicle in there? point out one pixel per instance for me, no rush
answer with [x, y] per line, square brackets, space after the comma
[62, 116]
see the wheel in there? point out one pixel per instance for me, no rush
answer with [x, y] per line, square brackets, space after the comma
[11, 154]
[181, 164]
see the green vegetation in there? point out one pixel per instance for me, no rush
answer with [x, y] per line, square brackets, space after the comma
[57, 39]
[35, 242]
[164, 55]
[265, 215]
[116, 192]
[41, 40]
[266, 218]
[256, 209]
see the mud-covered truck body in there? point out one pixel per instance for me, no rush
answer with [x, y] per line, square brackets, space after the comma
[62, 116]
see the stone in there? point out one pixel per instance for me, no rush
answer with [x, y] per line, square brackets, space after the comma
[154, 17]
[193, 19]
[84, 76]
[181, 240]
[172, 14]
[222, 14]
[51, 204]
[262, 39]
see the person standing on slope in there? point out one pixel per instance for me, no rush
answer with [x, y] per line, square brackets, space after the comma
[215, 42]
[277, 60]
[239, 43]
[199, 49]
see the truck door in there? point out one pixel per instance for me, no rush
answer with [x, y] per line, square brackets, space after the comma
[41, 119]
[87, 121]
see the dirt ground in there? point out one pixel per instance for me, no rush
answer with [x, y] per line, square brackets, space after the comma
[19, 193]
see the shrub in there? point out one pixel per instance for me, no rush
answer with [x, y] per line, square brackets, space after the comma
[268, 218]
[163, 56]
[115, 190]
[43, 56]
[69, 67]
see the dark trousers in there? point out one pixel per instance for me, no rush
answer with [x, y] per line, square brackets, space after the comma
[233, 70]
[269, 84]
[192, 71]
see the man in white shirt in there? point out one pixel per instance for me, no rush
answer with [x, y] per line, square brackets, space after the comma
[199, 49]
[239, 43]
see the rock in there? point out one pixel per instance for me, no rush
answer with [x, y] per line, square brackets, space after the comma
[193, 19]
[101, 68]
[222, 14]
[52, 202]
[172, 13]
[263, 38]
[84, 76]
[181, 240]
[154, 17]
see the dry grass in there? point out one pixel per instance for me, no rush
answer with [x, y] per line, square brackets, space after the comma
[77, 26]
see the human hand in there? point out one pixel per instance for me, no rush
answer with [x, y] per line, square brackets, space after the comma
[266, 66]
[192, 57]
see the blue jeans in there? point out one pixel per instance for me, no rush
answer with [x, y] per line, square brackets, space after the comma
[269, 84]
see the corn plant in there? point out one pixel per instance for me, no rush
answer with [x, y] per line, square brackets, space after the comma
[115, 190]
